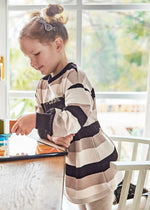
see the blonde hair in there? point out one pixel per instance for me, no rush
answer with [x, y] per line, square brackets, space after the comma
[51, 16]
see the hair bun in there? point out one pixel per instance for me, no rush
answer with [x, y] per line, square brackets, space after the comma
[54, 9]
[34, 14]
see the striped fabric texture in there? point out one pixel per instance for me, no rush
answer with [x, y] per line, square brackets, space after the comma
[66, 105]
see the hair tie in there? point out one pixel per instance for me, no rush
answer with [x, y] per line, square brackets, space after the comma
[47, 26]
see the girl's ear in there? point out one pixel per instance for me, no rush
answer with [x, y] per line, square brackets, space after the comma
[59, 44]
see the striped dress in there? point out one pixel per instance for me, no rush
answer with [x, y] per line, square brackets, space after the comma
[66, 105]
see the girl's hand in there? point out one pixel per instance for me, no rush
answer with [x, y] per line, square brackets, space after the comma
[24, 124]
[63, 141]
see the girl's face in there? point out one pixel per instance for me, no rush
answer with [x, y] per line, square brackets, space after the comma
[45, 58]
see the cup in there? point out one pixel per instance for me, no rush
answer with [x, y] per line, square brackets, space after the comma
[11, 123]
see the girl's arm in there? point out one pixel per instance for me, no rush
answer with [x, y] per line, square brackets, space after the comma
[26, 123]
[63, 141]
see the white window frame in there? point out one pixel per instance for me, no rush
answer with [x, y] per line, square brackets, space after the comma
[6, 93]
[3, 52]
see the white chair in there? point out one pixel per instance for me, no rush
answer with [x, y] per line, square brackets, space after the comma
[133, 169]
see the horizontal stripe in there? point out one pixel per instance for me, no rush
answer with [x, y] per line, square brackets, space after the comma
[78, 85]
[89, 194]
[77, 112]
[91, 180]
[87, 131]
[91, 155]
[86, 143]
[79, 97]
[92, 168]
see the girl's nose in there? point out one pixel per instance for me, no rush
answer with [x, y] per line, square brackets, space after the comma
[33, 64]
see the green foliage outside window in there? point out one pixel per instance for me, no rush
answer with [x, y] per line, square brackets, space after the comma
[23, 76]
[116, 49]
[21, 106]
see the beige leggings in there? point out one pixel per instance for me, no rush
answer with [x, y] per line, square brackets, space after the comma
[102, 204]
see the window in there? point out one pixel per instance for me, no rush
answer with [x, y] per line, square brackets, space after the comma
[109, 40]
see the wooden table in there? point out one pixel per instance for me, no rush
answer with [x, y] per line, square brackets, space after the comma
[32, 184]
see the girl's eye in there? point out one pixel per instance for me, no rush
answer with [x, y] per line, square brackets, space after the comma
[37, 53]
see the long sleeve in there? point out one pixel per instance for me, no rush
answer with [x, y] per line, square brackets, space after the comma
[76, 105]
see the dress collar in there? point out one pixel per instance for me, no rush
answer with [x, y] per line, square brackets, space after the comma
[67, 67]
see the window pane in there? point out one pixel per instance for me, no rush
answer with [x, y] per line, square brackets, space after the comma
[121, 117]
[40, 2]
[116, 49]
[20, 106]
[22, 76]
[113, 1]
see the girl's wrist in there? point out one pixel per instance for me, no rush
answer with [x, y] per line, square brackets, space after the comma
[33, 118]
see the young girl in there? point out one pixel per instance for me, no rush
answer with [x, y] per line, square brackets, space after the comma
[66, 112]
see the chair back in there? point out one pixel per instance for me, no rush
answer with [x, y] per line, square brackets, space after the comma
[136, 167]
